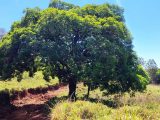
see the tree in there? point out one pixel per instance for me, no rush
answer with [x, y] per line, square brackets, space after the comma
[62, 5]
[75, 44]
[141, 61]
[152, 68]
[158, 76]
[143, 77]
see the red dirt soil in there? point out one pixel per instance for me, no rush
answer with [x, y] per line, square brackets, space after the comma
[31, 107]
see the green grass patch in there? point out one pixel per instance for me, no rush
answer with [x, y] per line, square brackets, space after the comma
[27, 83]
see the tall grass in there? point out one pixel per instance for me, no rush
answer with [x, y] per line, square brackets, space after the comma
[80, 110]
[84, 110]
[142, 106]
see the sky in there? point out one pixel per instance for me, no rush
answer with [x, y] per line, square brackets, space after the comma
[142, 19]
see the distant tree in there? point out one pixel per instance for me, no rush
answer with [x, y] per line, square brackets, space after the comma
[141, 61]
[152, 68]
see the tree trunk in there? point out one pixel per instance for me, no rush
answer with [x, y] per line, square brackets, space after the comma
[89, 88]
[72, 88]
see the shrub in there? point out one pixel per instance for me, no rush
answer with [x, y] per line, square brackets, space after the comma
[143, 77]
[144, 82]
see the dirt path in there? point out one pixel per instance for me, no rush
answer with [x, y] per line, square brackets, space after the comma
[31, 107]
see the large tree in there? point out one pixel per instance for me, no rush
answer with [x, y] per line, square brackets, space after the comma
[90, 44]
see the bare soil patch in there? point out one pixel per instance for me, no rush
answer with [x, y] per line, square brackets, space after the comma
[31, 105]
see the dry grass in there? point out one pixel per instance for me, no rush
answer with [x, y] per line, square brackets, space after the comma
[142, 106]
[85, 110]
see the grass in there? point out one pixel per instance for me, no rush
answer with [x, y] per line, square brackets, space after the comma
[142, 106]
[26, 83]
[85, 110]
[79, 110]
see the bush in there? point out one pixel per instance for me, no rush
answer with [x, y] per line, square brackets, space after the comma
[143, 82]
[143, 78]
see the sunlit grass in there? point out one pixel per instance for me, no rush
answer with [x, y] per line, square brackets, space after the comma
[27, 82]
[80, 110]
[142, 106]
[96, 111]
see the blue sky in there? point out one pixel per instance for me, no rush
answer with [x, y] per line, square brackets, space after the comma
[142, 18]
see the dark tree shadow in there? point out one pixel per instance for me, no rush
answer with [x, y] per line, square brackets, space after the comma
[26, 112]
[109, 102]
[52, 102]
[42, 111]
